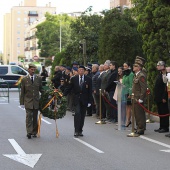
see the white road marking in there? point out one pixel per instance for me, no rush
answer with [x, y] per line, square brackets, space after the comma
[41, 118]
[157, 142]
[21, 157]
[21, 108]
[46, 121]
[88, 145]
[4, 103]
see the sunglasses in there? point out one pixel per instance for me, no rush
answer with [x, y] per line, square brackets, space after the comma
[61, 80]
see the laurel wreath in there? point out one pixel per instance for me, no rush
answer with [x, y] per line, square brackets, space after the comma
[53, 104]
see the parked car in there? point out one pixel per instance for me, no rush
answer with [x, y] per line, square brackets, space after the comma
[11, 74]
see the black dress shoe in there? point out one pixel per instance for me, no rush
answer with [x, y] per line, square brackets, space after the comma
[168, 135]
[76, 134]
[29, 136]
[157, 130]
[34, 136]
[164, 130]
[81, 134]
[88, 115]
[140, 133]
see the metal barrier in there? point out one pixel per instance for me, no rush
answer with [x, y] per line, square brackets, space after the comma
[4, 89]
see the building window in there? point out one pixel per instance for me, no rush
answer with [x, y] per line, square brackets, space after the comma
[32, 19]
[18, 25]
[19, 12]
[18, 39]
[18, 32]
[18, 44]
[19, 19]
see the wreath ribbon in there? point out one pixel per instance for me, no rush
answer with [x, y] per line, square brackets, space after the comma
[48, 103]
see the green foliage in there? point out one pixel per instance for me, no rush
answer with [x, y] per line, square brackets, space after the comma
[48, 62]
[154, 24]
[48, 34]
[87, 27]
[119, 39]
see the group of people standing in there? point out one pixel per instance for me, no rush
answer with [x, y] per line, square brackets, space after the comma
[81, 85]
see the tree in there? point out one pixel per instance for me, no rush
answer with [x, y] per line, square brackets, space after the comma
[119, 39]
[48, 34]
[153, 18]
[87, 27]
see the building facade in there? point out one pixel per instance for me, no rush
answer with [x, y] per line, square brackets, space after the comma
[120, 3]
[15, 24]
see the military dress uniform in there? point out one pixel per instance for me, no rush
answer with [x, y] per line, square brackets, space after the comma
[30, 98]
[139, 88]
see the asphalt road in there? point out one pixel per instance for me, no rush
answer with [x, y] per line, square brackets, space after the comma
[101, 148]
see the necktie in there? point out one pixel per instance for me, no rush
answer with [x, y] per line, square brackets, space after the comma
[81, 80]
[32, 79]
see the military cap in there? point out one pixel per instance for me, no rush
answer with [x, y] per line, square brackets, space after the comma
[81, 66]
[141, 58]
[68, 68]
[32, 65]
[75, 63]
[88, 69]
[140, 61]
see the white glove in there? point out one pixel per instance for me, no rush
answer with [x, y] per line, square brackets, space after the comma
[89, 104]
[140, 101]
[22, 106]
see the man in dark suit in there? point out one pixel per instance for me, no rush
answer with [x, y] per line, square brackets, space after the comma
[31, 85]
[81, 86]
[161, 97]
[110, 88]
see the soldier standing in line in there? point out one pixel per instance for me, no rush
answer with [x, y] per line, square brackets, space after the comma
[139, 88]
[31, 85]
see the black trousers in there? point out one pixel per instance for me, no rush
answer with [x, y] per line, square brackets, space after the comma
[162, 110]
[79, 117]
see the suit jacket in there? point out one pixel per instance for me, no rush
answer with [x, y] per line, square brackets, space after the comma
[30, 92]
[160, 89]
[104, 79]
[112, 76]
[82, 94]
[139, 86]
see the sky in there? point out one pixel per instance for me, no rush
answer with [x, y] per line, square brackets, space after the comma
[61, 6]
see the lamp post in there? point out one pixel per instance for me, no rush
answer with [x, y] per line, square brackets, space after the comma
[60, 35]
[83, 42]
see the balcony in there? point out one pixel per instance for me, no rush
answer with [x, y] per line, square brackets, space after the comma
[33, 14]
[32, 48]
[27, 49]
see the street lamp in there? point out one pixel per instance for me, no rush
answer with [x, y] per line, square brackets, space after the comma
[83, 42]
[60, 35]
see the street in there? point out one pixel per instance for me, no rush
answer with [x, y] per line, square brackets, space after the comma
[101, 148]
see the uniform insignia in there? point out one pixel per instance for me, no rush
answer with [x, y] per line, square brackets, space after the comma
[143, 79]
[86, 85]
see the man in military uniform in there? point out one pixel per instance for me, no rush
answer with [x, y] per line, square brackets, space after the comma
[31, 85]
[139, 89]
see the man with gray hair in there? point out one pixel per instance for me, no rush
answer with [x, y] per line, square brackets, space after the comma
[104, 80]
[161, 97]
[95, 74]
